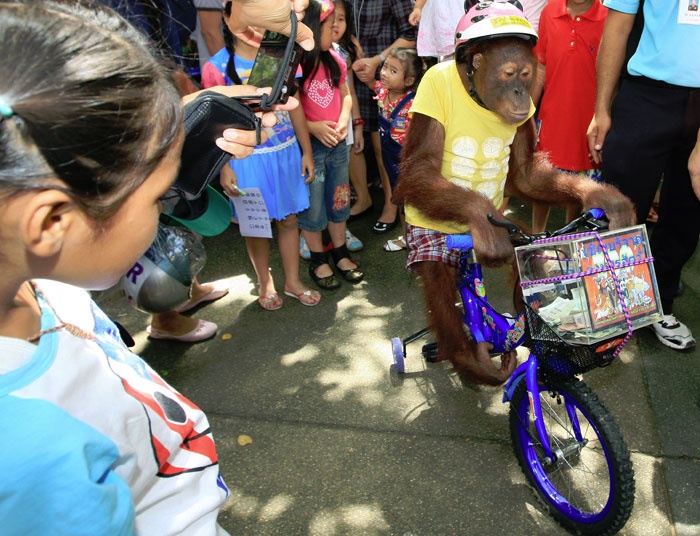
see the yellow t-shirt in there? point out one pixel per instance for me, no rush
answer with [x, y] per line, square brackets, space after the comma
[477, 141]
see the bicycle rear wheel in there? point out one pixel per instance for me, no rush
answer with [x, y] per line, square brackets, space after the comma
[589, 487]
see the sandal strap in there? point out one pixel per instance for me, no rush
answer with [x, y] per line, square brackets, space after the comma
[318, 258]
[339, 253]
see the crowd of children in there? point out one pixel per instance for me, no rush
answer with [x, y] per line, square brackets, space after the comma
[304, 171]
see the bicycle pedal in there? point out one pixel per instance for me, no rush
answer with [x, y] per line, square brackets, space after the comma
[430, 352]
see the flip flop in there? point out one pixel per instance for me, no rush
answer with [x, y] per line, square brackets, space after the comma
[392, 246]
[305, 298]
[271, 302]
[219, 291]
[202, 331]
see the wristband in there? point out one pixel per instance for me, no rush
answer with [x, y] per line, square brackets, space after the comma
[358, 121]
[382, 57]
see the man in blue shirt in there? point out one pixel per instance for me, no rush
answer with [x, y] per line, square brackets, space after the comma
[648, 130]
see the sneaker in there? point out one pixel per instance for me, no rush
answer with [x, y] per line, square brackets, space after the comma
[304, 252]
[352, 242]
[673, 333]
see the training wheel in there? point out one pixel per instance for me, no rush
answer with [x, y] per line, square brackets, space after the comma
[397, 351]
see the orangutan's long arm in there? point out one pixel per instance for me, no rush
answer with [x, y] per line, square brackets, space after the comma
[532, 177]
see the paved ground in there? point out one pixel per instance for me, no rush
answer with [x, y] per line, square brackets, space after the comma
[341, 446]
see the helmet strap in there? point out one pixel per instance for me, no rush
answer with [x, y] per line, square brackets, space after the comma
[472, 86]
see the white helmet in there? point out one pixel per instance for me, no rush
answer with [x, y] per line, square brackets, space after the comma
[488, 20]
[161, 279]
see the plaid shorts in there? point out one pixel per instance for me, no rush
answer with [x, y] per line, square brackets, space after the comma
[428, 245]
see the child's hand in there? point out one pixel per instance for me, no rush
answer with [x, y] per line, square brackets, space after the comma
[359, 144]
[229, 182]
[414, 17]
[342, 130]
[308, 168]
[364, 69]
[324, 131]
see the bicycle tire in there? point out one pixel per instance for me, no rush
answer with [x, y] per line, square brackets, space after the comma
[590, 491]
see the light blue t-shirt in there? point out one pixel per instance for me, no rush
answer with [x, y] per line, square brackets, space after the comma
[668, 49]
[63, 467]
[94, 442]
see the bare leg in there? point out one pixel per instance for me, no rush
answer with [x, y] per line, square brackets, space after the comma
[175, 326]
[358, 178]
[173, 323]
[201, 293]
[199, 289]
[400, 242]
[259, 254]
[389, 209]
[288, 241]
[540, 215]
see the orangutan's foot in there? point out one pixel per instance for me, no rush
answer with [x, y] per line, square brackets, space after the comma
[481, 370]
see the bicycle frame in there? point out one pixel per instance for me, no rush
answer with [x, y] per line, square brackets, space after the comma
[505, 333]
[486, 324]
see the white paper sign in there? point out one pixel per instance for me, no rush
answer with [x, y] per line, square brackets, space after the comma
[251, 211]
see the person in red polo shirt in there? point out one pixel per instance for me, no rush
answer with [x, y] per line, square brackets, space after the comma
[569, 37]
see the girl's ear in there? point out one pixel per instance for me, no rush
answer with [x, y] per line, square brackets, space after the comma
[48, 218]
[409, 81]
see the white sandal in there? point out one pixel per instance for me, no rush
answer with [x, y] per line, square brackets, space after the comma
[394, 245]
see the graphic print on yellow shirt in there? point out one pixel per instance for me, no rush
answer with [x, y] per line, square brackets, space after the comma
[477, 141]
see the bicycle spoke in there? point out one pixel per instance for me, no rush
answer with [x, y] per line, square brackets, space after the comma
[577, 476]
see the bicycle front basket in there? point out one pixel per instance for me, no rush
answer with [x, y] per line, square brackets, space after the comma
[564, 358]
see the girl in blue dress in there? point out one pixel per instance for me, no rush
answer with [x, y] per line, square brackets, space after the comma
[281, 168]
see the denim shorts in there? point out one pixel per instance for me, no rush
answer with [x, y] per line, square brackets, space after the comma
[329, 193]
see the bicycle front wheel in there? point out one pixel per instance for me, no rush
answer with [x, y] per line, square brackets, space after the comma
[589, 485]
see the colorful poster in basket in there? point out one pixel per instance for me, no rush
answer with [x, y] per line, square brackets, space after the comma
[637, 281]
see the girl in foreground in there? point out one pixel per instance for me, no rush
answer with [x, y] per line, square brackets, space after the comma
[94, 441]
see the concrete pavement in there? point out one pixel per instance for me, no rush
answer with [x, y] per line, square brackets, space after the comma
[342, 446]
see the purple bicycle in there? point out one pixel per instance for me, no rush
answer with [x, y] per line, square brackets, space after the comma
[566, 441]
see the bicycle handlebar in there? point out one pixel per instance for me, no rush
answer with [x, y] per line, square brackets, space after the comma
[459, 241]
[593, 219]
